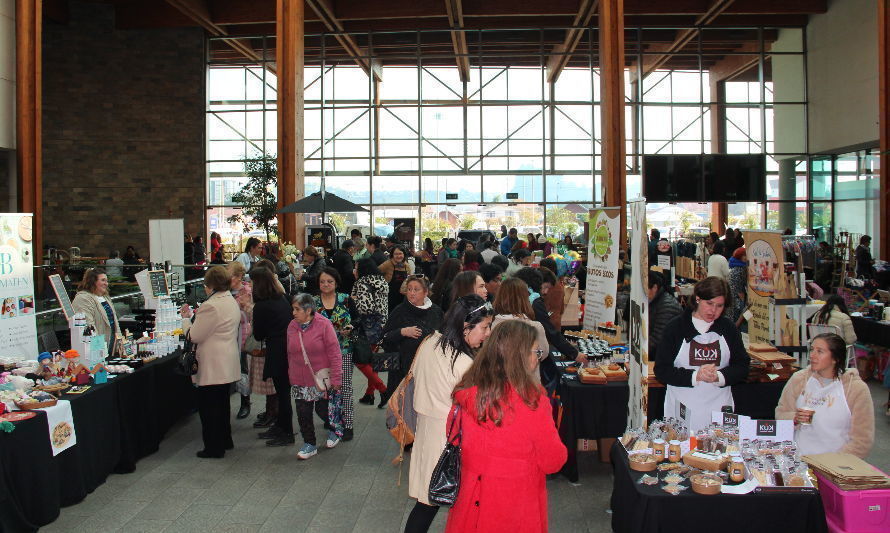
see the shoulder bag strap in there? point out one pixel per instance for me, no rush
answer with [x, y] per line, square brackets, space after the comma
[305, 357]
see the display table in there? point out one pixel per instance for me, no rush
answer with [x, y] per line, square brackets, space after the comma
[870, 331]
[600, 411]
[638, 508]
[117, 423]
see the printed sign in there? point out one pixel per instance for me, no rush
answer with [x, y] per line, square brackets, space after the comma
[158, 280]
[638, 334]
[18, 326]
[62, 295]
[773, 430]
[602, 267]
[728, 419]
[765, 279]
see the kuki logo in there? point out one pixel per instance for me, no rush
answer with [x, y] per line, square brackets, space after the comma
[766, 428]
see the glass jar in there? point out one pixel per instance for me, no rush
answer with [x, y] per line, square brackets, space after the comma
[736, 469]
[674, 453]
[658, 446]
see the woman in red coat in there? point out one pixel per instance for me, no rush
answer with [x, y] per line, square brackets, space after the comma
[509, 442]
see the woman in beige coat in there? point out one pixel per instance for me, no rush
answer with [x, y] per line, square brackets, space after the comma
[834, 313]
[512, 303]
[441, 361]
[214, 328]
[93, 301]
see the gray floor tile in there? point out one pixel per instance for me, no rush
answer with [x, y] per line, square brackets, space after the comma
[141, 525]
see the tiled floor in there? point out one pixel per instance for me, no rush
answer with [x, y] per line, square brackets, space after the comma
[350, 488]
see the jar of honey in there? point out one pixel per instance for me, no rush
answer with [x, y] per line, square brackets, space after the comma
[674, 454]
[736, 469]
[658, 449]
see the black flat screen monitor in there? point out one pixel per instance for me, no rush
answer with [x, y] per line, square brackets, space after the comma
[735, 177]
[672, 178]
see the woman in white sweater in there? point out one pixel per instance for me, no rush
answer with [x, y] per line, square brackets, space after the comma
[834, 313]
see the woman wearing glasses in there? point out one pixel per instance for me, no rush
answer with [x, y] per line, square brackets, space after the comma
[396, 270]
[441, 361]
[408, 324]
[509, 442]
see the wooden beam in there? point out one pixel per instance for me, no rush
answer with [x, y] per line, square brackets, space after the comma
[719, 210]
[28, 116]
[884, 125]
[562, 53]
[458, 38]
[614, 174]
[289, 58]
[325, 12]
[655, 61]
[732, 66]
[197, 11]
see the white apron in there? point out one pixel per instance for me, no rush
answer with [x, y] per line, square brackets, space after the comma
[830, 430]
[701, 398]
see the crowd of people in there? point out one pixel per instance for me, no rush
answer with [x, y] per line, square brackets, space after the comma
[477, 330]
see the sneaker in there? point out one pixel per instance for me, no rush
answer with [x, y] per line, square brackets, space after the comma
[367, 399]
[333, 439]
[307, 451]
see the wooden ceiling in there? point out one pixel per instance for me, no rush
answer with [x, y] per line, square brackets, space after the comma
[517, 31]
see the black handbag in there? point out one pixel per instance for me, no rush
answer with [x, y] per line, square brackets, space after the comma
[361, 350]
[187, 365]
[446, 476]
[385, 361]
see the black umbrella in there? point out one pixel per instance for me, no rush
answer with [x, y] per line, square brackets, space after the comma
[318, 203]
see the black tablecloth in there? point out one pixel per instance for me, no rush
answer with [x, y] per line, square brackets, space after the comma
[640, 508]
[870, 331]
[600, 411]
[116, 424]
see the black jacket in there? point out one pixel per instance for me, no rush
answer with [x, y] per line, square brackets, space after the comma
[406, 315]
[662, 309]
[681, 329]
[270, 321]
[379, 257]
[344, 266]
[311, 276]
[554, 336]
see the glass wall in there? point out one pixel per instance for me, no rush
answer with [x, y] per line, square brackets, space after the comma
[505, 147]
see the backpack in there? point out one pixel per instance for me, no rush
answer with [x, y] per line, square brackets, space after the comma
[401, 418]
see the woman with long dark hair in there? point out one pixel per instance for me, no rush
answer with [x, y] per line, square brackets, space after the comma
[835, 313]
[468, 282]
[441, 290]
[504, 418]
[441, 361]
[395, 270]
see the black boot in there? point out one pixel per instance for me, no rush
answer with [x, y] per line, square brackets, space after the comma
[367, 399]
[384, 399]
[245, 408]
[347, 434]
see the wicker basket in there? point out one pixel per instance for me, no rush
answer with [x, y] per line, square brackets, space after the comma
[52, 389]
[35, 405]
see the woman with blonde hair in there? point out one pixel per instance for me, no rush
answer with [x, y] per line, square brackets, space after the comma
[507, 436]
[241, 291]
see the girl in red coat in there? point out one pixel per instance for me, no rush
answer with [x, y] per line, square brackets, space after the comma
[509, 442]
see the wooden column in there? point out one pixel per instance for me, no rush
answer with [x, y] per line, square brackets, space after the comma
[611, 60]
[28, 94]
[719, 210]
[883, 250]
[289, 63]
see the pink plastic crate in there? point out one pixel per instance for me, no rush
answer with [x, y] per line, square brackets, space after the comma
[855, 511]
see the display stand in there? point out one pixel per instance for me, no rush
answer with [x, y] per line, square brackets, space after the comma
[788, 327]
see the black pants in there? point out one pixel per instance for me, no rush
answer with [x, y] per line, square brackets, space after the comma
[304, 418]
[285, 420]
[216, 417]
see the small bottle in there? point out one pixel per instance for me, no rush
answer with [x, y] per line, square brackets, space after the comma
[658, 449]
[674, 455]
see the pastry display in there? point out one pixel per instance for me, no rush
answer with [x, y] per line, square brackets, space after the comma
[708, 484]
[642, 462]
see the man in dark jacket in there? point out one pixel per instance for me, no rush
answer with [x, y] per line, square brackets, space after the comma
[344, 266]
[374, 245]
[663, 308]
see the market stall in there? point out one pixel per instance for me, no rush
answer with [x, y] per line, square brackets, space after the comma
[639, 508]
[117, 423]
[871, 331]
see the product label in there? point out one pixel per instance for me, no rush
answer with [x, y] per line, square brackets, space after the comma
[683, 411]
[730, 419]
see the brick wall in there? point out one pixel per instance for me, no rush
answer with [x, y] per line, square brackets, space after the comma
[123, 130]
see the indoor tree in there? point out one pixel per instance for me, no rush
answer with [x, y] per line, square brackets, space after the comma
[257, 196]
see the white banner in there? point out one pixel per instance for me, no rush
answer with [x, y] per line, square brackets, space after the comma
[602, 267]
[18, 325]
[60, 423]
[638, 336]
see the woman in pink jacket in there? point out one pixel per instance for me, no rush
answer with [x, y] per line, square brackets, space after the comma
[312, 348]
[509, 442]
